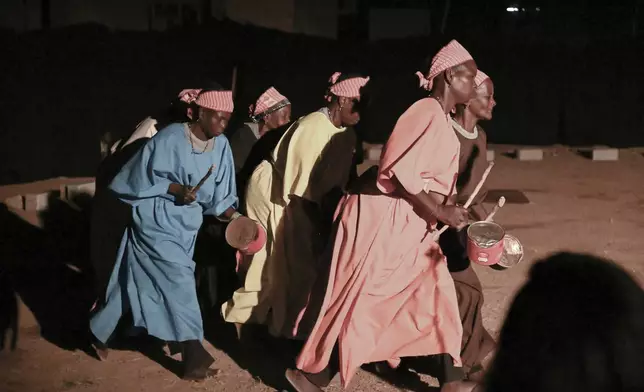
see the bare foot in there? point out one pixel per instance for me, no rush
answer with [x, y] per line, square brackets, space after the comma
[238, 329]
[174, 348]
[100, 350]
[299, 381]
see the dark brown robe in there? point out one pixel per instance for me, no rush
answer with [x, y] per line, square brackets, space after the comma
[472, 165]
[477, 342]
[241, 144]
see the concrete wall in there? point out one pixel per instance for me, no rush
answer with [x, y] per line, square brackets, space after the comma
[115, 14]
[273, 14]
[20, 15]
[316, 17]
[398, 23]
[310, 17]
[128, 15]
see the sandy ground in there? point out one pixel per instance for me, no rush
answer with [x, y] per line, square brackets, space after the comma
[576, 204]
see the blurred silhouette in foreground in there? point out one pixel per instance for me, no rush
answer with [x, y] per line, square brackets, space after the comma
[577, 325]
[8, 314]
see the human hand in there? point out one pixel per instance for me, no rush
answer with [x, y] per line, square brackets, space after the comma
[183, 194]
[453, 215]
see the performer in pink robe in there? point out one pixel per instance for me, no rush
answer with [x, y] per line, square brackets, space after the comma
[390, 295]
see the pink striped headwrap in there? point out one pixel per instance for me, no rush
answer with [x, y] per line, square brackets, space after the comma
[221, 101]
[269, 102]
[480, 78]
[189, 95]
[451, 55]
[349, 88]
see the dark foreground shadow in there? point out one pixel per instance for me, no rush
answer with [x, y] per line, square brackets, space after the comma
[510, 154]
[48, 268]
[8, 314]
[585, 153]
[262, 355]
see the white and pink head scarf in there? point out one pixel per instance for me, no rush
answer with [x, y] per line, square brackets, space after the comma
[221, 101]
[349, 88]
[480, 78]
[189, 95]
[269, 102]
[451, 55]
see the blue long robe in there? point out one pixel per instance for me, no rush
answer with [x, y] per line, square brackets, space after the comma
[154, 271]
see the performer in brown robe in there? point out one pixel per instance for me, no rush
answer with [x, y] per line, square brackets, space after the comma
[477, 342]
[272, 110]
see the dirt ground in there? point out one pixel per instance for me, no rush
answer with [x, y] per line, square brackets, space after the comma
[575, 204]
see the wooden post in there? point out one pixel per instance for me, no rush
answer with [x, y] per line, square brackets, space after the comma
[430, 5]
[448, 3]
[45, 14]
[234, 82]
[635, 19]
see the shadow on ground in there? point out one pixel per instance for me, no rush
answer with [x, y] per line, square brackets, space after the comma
[49, 269]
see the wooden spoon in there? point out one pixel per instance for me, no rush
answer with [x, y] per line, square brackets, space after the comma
[497, 207]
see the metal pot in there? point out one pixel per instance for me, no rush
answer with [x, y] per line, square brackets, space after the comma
[512, 252]
[485, 243]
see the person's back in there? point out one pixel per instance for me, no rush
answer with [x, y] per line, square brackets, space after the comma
[284, 193]
[304, 155]
[577, 325]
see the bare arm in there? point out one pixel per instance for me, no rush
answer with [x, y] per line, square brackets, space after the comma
[182, 194]
[431, 204]
[229, 214]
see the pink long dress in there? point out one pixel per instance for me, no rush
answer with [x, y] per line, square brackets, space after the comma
[390, 294]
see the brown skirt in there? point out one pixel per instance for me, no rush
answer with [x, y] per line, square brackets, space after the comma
[477, 342]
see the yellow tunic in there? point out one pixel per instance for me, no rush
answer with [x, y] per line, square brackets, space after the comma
[312, 158]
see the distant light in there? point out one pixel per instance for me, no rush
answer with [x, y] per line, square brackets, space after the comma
[512, 9]
[538, 9]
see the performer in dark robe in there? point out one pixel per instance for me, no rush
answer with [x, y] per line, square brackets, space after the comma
[109, 215]
[477, 342]
[272, 110]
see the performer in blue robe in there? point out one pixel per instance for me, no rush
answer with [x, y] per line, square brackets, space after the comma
[153, 277]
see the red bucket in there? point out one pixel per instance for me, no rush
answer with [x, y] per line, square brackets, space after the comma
[485, 243]
[246, 235]
[244, 256]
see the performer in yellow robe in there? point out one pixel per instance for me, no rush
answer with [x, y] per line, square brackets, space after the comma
[292, 196]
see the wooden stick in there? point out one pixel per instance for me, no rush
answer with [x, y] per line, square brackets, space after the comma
[203, 180]
[479, 185]
[470, 199]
